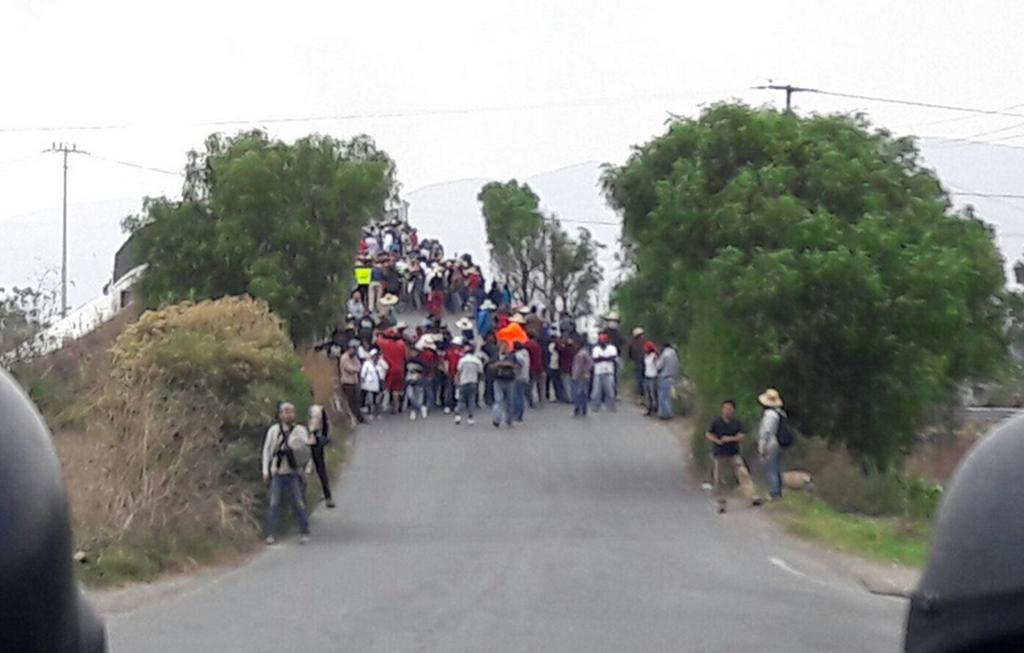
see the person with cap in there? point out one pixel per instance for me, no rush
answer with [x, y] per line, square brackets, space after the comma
[354, 306]
[636, 353]
[468, 372]
[320, 436]
[768, 447]
[371, 381]
[503, 370]
[285, 454]
[414, 383]
[364, 328]
[349, 367]
[649, 368]
[606, 357]
[970, 597]
[42, 608]
[582, 367]
[725, 435]
[668, 373]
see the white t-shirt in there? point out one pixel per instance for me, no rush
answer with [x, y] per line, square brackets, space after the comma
[651, 365]
[608, 352]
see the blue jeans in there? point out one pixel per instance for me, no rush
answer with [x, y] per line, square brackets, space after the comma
[501, 409]
[519, 390]
[291, 487]
[665, 397]
[773, 468]
[638, 374]
[604, 391]
[467, 399]
[414, 394]
[579, 397]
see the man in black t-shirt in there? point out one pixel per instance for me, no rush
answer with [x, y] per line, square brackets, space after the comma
[725, 434]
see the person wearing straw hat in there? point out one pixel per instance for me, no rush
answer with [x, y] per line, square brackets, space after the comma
[485, 318]
[465, 326]
[387, 307]
[768, 442]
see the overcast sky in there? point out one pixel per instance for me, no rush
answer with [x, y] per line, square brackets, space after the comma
[555, 82]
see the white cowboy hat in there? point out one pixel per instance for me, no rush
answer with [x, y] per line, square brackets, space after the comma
[401, 325]
[465, 324]
[523, 310]
[518, 319]
[426, 343]
[770, 398]
[388, 300]
[612, 316]
[457, 341]
[638, 331]
[488, 305]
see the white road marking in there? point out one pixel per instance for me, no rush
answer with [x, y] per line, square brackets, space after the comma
[784, 566]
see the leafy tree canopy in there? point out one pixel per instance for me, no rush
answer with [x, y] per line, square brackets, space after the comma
[277, 221]
[812, 254]
[537, 256]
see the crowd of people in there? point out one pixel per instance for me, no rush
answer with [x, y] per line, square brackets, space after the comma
[473, 350]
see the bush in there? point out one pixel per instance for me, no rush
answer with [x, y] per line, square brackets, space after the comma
[191, 388]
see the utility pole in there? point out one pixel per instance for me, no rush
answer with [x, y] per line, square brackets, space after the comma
[65, 149]
[788, 88]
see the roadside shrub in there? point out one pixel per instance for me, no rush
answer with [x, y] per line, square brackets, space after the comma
[182, 415]
[846, 488]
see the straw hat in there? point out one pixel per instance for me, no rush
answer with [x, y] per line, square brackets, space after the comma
[770, 398]
[523, 310]
[638, 331]
[488, 305]
[388, 300]
[401, 325]
[612, 316]
[426, 343]
[518, 319]
[465, 324]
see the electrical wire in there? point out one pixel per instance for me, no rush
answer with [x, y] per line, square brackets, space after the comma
[914, 103]
[137, 166]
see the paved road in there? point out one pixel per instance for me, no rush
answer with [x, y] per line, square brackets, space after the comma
[565, 535]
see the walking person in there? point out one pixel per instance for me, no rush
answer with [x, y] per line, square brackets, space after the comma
[536, 353]
[489, 353]
[414, 382]
[285, 453]
[725, 435]
[649, 367]
[668, 371]
[504, 370]
[349, 367]
[522, 383]
[371, 381]
[320, 435]
[468, 372]
[768, 446]
[582, 366]
[606, 358]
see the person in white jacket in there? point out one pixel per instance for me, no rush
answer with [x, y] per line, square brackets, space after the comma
[285, 453]
[371, 382]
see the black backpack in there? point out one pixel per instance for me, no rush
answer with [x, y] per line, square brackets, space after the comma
[784, 433]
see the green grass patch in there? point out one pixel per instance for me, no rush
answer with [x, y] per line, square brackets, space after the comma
[890, 540]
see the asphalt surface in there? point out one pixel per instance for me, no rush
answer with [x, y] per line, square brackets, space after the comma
[560, 535]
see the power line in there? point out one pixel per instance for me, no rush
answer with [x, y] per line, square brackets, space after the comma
[585, 102]
[137, 166]
[968, 193]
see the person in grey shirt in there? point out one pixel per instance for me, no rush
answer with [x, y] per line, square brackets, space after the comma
[768, 441]
[468, 375]
[668, 372]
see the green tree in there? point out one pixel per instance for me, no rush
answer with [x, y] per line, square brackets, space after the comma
[274, 220]
[812, 254]
[537, 256]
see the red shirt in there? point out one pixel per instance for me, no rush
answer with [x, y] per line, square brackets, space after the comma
[536, 357]
[452, 356]
[429, 358]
